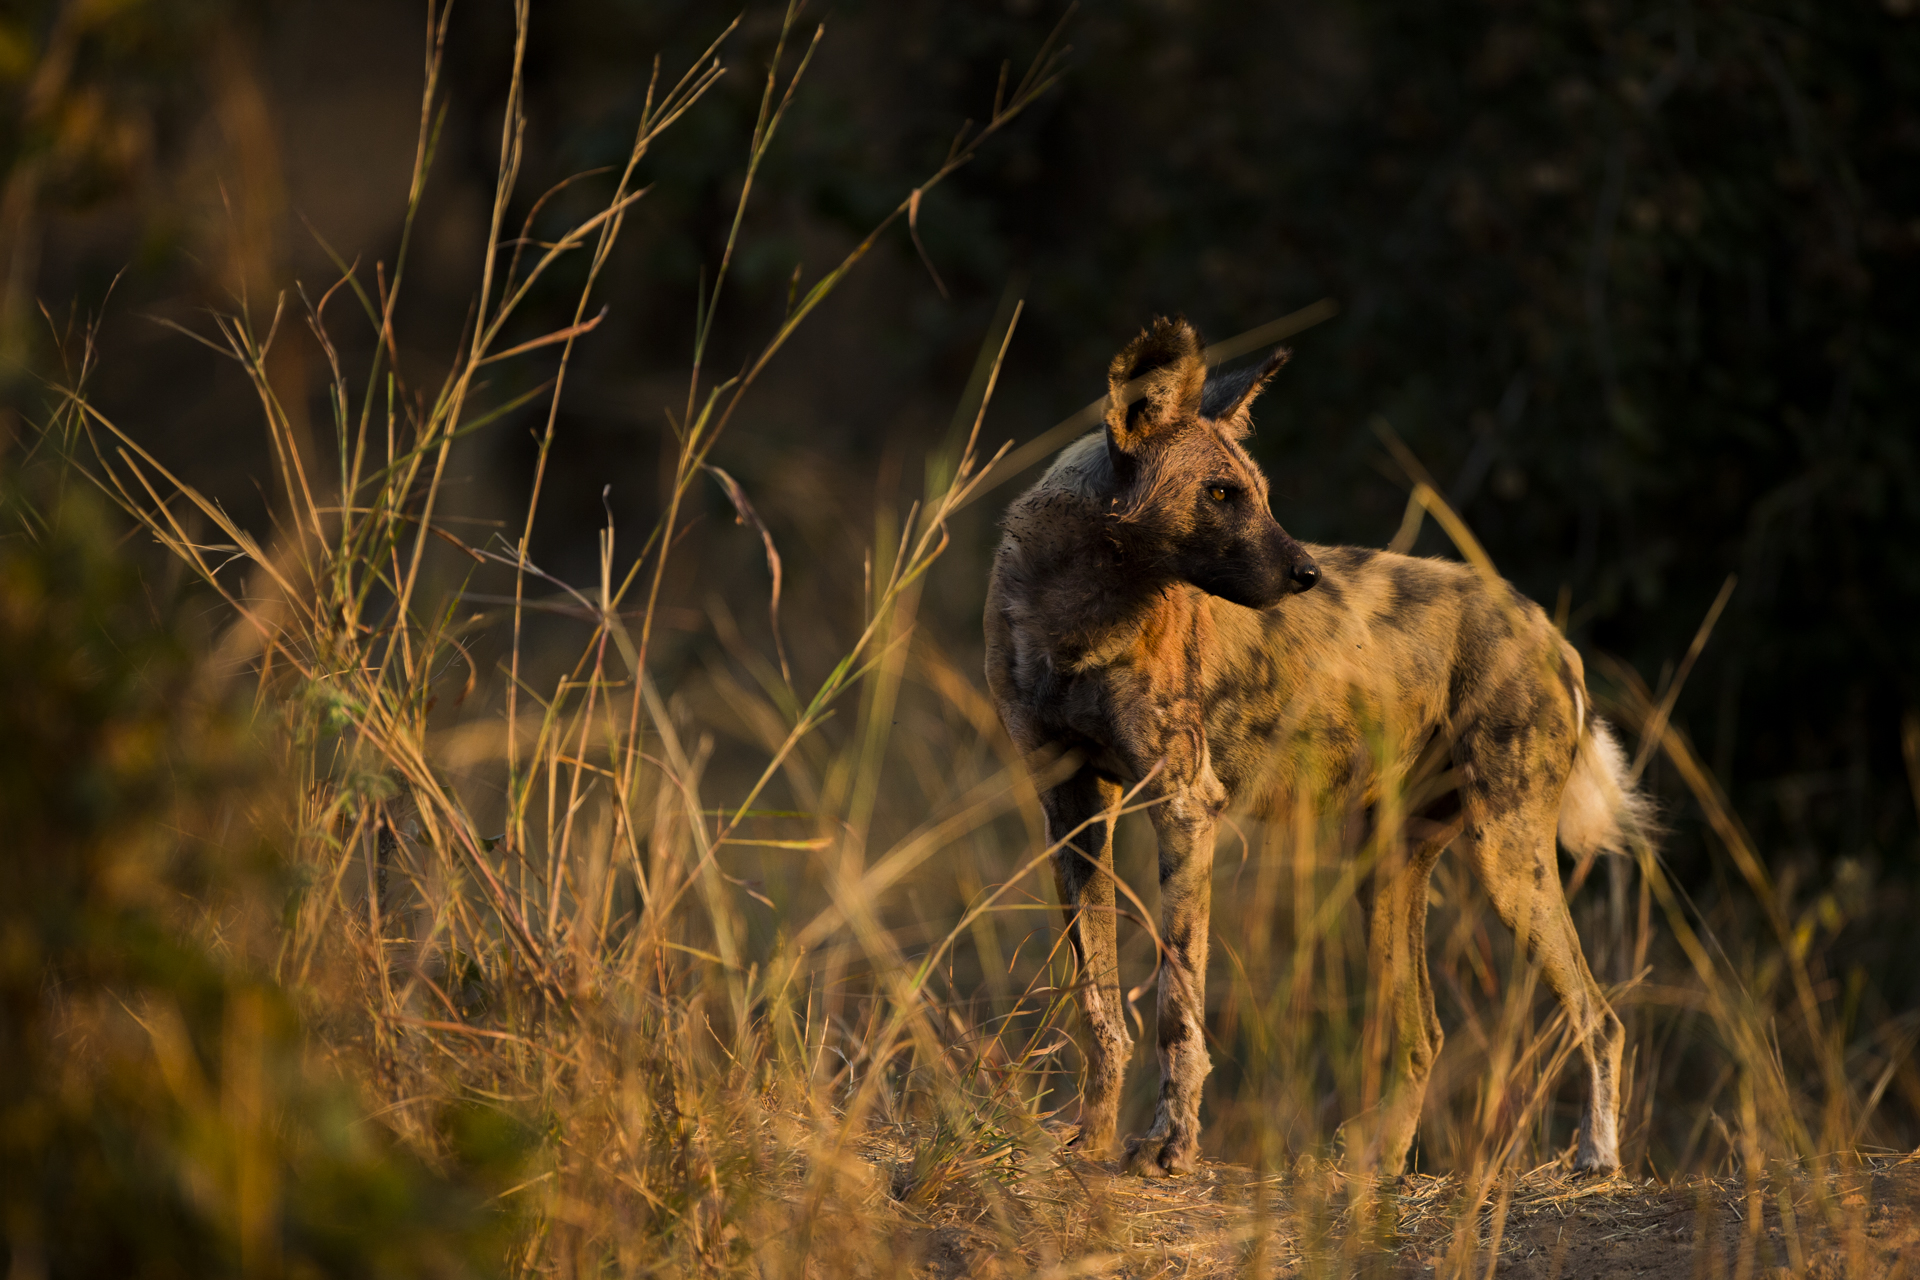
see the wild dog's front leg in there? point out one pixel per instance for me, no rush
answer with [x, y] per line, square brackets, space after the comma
[1083, 871]
[1185, 820]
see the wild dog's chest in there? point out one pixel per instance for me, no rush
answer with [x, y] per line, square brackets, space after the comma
[1065, 701]
[1121, 705]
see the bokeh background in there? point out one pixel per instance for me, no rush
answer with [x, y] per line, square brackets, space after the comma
[1638, 282]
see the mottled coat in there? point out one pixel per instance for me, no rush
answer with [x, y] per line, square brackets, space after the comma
[1150, 621]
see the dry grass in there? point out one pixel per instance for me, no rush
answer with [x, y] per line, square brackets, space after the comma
[765, 969]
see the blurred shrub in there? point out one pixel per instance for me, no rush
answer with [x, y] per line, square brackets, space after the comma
[161, 1113]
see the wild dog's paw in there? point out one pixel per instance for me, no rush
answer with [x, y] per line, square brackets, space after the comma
[1162, 1156]
[1596, 1149]
[1087, 1142]
[1063, 1134]
[1594, 1164]
[1357, 1153]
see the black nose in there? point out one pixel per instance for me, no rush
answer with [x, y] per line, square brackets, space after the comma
[1306, 575]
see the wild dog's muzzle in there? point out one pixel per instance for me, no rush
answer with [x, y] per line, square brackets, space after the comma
[1280, 568]
[1300, 573]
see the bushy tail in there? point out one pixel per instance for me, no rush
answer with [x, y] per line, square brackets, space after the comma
[1601, 811]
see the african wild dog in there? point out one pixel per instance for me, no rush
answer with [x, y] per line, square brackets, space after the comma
[1149, 619]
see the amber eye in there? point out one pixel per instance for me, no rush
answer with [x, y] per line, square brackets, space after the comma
[1218, 493]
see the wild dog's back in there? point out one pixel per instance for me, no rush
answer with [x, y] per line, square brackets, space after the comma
[1305, 696]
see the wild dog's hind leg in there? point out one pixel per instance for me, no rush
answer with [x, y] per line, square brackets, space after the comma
[1083, 872]
[1597, 1149]
[1184, 819]
[1398, 958]
[1514, 855]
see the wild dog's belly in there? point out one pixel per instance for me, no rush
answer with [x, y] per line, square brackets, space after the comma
[1264, 756]
[1268, 739]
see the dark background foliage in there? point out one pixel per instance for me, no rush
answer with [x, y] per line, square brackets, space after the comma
[1637, 281]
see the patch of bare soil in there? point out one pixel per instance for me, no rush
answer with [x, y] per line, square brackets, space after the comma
[1086, 1218]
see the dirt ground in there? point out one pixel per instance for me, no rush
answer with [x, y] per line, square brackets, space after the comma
[1085, 1218]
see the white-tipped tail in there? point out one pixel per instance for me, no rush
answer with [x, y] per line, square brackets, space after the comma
[1600, 812]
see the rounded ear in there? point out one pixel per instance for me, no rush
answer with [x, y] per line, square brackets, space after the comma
[1155, 385]
[1229, 395]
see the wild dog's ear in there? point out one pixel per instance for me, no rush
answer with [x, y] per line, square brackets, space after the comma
[1229, 395]
[1154, 384]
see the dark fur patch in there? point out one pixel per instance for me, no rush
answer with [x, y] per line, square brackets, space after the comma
[1346, 559]
[1413, 588]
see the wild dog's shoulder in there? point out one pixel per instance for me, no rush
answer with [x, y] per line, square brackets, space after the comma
[1080, 478]
[1060, 513]
[1083, 469]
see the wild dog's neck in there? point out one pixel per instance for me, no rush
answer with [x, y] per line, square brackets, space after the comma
[1081, 584]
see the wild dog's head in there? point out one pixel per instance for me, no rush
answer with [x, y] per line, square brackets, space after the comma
[1187, 490]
